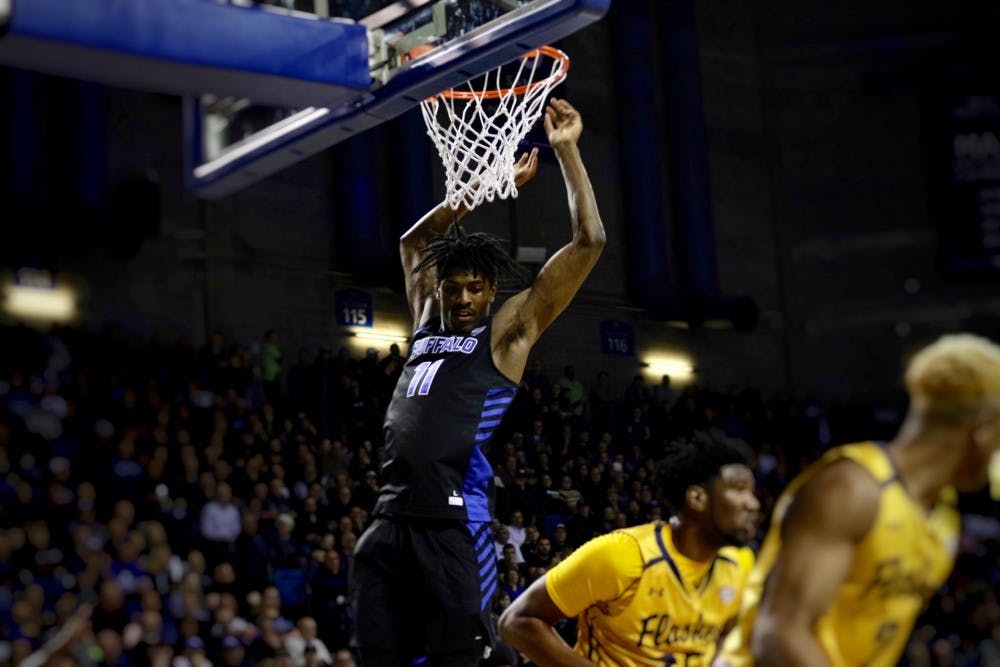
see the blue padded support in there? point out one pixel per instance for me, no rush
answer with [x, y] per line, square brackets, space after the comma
[191, 46]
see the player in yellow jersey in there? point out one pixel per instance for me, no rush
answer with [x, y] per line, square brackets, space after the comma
[660, 593]
[859, 541]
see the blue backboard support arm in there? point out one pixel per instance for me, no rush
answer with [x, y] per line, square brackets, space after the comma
[190, 47]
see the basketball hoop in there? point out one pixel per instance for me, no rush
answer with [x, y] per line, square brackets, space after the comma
[477, 128]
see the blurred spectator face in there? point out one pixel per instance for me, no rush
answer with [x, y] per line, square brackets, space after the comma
[156, 534]
[151, 601]
[207, 482]
[332, 560]
[344, 525]
[509, 554]
[38, 535]
[111, 597]
[307, 627]
[343, 658]
[233, 655]
[224, 615]
[117, 530]
[152, 626]
[197, 562]
[222, 470]
[544, 547]
[285, 525]
[347, 543]
[272, 599]
[531, 534]
[111, 645]
[510, 464]
[24, 613]
[559, 533]
[260, 491]
[944, 652]
[309, 505]
[224, 573]
[517, 519]
[250, 523]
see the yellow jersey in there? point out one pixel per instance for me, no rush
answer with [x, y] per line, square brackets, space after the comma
[641, 602]
[905, 557]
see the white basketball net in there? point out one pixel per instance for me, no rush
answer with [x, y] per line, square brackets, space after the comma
[477, 130]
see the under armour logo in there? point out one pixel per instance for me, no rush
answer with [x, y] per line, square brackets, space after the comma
[657, 591]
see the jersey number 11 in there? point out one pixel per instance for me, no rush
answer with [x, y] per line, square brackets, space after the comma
[423, 376]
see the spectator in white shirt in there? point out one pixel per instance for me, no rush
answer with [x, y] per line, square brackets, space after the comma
[304, 638]
[501, 538]
[221, 524]
[515, 530]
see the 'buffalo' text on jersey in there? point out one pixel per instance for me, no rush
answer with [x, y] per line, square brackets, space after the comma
[905, 556]
[448, 402]
[641, 603]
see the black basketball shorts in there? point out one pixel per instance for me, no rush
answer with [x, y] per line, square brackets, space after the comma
[423, 587]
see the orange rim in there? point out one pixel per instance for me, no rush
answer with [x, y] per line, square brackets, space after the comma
[549, 51]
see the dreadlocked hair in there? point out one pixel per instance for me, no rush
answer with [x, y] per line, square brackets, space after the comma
[481, 253]
[695, 463]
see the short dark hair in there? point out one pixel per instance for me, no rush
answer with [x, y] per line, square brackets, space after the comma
[483, 254]
[696, 462]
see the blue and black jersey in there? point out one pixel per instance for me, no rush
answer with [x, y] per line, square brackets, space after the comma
[449, 400]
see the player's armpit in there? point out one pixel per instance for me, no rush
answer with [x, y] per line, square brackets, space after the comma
[599, 571]
[829, 516]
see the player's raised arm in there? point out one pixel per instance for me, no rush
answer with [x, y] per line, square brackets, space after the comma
[527, 314]
[830, 515]
[420, 284]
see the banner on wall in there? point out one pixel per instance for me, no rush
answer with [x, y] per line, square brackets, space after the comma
[617, 338]
[969, 155]
[353, 308]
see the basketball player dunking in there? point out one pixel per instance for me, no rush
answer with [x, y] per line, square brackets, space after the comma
[424, 571]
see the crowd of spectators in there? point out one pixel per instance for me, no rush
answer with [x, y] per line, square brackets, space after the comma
[163, 504]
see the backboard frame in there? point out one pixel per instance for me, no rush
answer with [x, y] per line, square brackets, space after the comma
[316, 128]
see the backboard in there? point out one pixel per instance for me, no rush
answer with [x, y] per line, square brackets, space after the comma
[416, 48]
